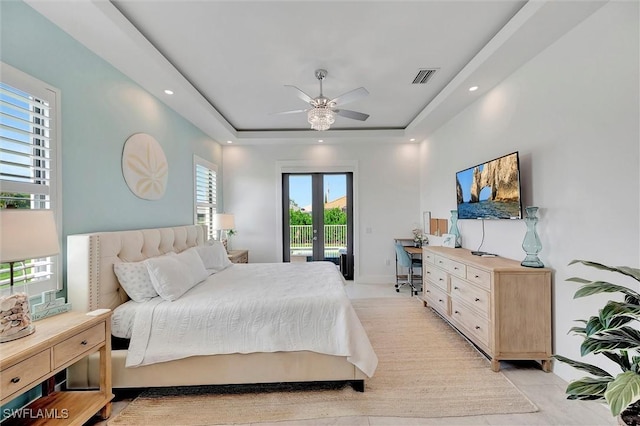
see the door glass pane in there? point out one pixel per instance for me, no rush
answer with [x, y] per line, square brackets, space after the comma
[300, 220]
[335, 216]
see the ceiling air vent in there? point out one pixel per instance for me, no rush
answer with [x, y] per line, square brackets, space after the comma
[424, 75]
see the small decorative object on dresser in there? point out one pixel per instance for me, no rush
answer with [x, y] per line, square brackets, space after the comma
[503, 308]
[239, 256]
[454, 228]
[531, 244]
[26, 234]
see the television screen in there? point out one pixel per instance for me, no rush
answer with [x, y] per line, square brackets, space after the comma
[490, 190]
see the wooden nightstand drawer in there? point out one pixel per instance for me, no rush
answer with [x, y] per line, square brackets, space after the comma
[78, 344]
[25, 374]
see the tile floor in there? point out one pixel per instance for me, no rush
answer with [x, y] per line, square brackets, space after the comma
[546, 390]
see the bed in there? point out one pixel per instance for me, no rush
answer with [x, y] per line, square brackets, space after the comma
[92, 284]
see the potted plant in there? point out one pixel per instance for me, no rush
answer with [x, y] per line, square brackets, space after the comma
[613, 333]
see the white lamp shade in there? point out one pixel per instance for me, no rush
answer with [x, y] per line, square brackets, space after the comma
[27, 234]
[223, 221]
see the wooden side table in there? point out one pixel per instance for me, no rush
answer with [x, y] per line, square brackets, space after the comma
[58, 342]
[239, 256]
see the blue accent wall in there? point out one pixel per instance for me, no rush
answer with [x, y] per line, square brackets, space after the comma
[101, 108]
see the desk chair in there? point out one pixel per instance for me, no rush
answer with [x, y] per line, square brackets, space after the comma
[404, 259]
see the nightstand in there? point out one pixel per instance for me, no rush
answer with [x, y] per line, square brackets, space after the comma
[239, 256]
[58, 342]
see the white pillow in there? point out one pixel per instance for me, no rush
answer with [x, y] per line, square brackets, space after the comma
[171, 278]
[214, 256]
[134, 279]
[191, 258]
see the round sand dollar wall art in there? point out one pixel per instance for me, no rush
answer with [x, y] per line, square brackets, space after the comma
[144, 166]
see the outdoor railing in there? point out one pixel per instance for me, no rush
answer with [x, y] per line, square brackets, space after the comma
[301, 236]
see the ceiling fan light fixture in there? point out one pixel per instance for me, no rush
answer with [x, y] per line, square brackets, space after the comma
[321, 118]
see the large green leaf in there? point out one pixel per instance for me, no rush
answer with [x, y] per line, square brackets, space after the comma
[625, 270]
[591, 369]
[623, 391]
[595, 287]
[622, 359]
[610, 340]
[588, 388]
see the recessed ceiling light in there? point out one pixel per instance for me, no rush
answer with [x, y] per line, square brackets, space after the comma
[473, 88]
[229, 141]
[412, 140]
[168, 92]
[320, 140]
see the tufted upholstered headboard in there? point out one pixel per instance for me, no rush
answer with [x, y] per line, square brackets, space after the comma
[91, 282]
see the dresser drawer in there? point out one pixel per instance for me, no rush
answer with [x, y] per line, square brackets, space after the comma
[474, 296]
[480, 277]
[469, 320]
[440, 261]
[436, 298]
[456, 268]
[77, 345]
[438, 277]
[428, 257]
[25, 373]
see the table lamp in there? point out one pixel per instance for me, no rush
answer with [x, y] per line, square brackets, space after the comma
[24, 234]
[223, 222]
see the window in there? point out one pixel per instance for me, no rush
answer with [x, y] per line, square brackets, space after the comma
[29, 166]
[205, 193]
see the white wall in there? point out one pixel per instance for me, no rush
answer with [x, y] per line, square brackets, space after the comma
[573, 114]
[386, 197]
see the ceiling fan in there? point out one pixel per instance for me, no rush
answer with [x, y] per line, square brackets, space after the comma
[322, 111]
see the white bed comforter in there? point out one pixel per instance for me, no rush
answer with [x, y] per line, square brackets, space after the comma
[246, 308]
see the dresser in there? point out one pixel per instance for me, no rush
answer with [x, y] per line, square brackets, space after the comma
[239, 256]
[501, 306]
[58, 342]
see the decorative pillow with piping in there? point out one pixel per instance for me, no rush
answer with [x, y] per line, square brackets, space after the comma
[134, 279]
[214, 256]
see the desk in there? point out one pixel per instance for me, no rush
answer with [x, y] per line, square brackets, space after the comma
[413, 252]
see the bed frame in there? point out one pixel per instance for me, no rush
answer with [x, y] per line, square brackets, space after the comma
[92, 284]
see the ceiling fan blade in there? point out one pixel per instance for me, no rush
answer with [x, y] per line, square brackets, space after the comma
[351, 96]
[301, 94]
[355, 115]
[295, 111]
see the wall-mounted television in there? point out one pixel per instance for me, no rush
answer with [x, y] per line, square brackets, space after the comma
[490, 190]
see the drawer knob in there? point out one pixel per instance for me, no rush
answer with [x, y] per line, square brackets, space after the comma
[428, 291]
[455, 287]
[477, 300]
[455, 267]
[477, 327]
[15, 380]
[440, 300]
[440, 279]
[84, 343]
[477, 276]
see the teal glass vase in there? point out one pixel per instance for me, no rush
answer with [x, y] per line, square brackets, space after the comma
[454, 228]
[531, 244]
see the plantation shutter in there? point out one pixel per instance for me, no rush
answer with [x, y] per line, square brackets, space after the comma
[205, 193]
[28, 166]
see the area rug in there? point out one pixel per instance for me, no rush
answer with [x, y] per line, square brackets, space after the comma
[425, 370]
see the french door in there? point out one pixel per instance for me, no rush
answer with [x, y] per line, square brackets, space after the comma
[318, 218]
